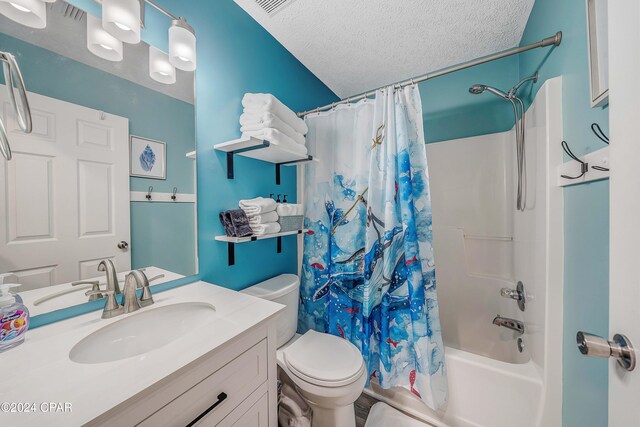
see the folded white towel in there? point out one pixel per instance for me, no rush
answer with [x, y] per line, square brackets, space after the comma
[289, 209]
[268, 228]
[257, 206]
[267, 103]
[277, 138]
[263, 218]
[254, 122]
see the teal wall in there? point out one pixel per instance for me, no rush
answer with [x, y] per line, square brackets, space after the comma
[586, 217]
[451, 112]
[236, 55]
[151, 115]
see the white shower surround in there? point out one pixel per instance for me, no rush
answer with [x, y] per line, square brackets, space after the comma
[485, 392]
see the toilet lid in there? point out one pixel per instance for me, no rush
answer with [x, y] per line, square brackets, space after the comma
[324, 359]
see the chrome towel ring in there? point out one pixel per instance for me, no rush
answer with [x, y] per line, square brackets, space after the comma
[15, 84]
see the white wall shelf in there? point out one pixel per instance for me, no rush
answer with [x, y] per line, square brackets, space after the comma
[231, 241]
[262, 150]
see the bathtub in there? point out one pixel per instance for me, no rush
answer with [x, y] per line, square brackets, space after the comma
[483, 392]
[481, 244]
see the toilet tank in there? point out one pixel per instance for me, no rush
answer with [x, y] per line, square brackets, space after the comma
[283, 289]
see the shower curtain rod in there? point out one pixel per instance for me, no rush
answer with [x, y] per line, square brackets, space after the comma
[554, 40]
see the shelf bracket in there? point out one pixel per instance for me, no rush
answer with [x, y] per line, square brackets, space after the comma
[308, 159]
[231, 154]
[231, 253]
[279, 247]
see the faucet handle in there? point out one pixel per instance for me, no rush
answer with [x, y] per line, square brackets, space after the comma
[111, 306]
[147, 299]
[86, 282]
[159, 276]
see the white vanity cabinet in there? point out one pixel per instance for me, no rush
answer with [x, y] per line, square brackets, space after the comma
[232, 386]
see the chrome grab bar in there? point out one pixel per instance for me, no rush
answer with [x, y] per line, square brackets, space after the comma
[15, 83]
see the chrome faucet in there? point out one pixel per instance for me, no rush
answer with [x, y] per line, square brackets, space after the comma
[514, 325]
[112, 276]
[130, 300]
[135, 280]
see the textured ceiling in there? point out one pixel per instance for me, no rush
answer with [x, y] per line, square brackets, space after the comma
[358, 45]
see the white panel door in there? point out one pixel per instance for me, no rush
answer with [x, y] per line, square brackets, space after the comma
[64, 198]
[624, 284]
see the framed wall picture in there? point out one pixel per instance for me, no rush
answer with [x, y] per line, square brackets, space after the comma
[598, 36]
[148, 158]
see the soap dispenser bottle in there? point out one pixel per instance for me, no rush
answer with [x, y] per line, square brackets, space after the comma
[14, 318]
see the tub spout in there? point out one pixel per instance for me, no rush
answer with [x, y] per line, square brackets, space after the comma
[514, 325]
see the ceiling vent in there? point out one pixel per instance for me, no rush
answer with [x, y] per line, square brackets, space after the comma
[273, 6]
[67, 10]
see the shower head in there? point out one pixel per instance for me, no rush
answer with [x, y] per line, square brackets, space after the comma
[478, 89]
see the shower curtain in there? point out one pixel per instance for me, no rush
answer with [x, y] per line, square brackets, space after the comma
[368, 271]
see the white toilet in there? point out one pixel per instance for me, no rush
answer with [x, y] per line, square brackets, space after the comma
[328, 371]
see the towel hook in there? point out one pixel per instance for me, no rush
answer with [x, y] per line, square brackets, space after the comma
[148, 196]
[597, 130]
[173, 196]
[584, 167]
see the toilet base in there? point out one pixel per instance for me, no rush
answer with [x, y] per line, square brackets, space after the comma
[344, 416]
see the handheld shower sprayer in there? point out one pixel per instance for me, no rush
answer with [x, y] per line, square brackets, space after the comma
[519, 113]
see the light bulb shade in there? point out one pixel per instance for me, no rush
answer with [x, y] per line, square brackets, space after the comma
[160, 69]
[32, 13]
[121, 19]
[182, 45]
[101, 43]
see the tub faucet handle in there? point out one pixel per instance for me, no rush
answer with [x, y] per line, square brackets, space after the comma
[517, 294]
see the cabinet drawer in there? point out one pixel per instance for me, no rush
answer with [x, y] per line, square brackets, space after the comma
[253, 412]
[235, 381]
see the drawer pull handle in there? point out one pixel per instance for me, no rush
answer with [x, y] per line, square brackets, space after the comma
[221, 398]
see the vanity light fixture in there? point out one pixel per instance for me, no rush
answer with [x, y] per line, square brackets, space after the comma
[123, 19]
[160, 69]
[32, 13]
[182, 45]
[101, 43]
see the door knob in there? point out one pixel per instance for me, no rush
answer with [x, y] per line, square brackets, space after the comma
[123, 245]
[620, 348]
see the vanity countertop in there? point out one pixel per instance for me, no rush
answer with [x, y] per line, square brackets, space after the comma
[41, 372]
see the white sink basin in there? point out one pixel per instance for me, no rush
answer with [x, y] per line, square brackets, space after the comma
[141, 333]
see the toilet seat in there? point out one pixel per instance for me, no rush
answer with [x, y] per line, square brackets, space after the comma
[324, 360]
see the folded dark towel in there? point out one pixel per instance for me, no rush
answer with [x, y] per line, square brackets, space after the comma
[240, 222]
[227, 224]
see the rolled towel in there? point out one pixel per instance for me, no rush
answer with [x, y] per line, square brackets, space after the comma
[227, 224]
[263, 218]
[293, 410]
[240, 222]
[267, 103]
[289, 209]
[268, 228]
[278, 138]
[257, 206]
[255, 122]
